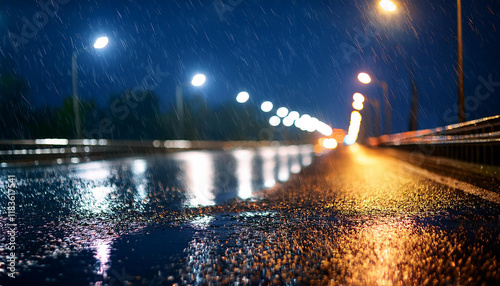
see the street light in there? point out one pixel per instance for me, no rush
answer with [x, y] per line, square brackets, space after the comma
[242, 97]
[388, 5]
[282, 112]
[266, 106]
[197, 81]
[98, 44]
[366, 79]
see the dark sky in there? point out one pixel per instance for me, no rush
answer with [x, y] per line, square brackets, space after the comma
[301, 54]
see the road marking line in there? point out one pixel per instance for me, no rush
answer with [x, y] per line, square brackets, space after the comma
[456, 184]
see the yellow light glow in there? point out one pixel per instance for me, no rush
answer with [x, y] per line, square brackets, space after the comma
[358, 97]
[364, 78]
[388, 5]
[357, 105]
[330, 143]
[355, 116]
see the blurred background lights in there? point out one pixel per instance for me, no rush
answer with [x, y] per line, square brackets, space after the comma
[242, 97]
[287, 121]
[388, 5]
[274, 120]
[101, 42]
[266, 106]
[358, 97]
[198, 80]
[355, 116]
[364, 78]
[282, 112]
[294, 115]
[330, 143]
[357, 105]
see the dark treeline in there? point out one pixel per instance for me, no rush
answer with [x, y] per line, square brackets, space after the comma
[133, 116]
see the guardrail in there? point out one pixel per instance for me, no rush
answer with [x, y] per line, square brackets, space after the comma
[475, 141]
[50, 151]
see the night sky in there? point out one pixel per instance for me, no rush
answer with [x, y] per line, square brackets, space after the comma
[301, 54]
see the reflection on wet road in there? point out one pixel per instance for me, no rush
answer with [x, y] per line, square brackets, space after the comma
[81, 210]
[354, 217]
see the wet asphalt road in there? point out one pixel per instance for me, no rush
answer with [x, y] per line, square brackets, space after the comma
[353, 217]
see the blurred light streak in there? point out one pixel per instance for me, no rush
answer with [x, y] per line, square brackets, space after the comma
[52, 141]
[268, 155]
[199, 177]
[244, 171]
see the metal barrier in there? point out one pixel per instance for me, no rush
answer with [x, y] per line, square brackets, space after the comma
[475, 141]
[50, 151]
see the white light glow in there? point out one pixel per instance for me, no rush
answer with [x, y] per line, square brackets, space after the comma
[364, 78]
[358, 97]
[244, 172]
[52, 141]
[282, 112]
[242, 97]
[199, 177]
[357, 105]
[287, 121]
[101, 42]
[388, 5]
[330, 143]
[294, 115]
[274, 121]
[198, 80]
[266, 106]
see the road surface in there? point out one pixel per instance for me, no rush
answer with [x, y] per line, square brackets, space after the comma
[355, 216]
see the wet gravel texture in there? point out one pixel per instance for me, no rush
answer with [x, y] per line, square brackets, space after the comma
[354, 217]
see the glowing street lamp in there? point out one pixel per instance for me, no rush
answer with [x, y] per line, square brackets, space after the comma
[242, 97]
[358, 105]
[388, 5]
[197, 81]
[366, 79]
[101, 42]
[282, 112]
[266, 106]
[274, 121]
[358, 97]
[98, 44]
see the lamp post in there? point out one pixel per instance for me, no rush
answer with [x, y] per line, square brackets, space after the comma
[366, 79]
[389, 6]
[99, 44]
[460, 63]
[198, 80]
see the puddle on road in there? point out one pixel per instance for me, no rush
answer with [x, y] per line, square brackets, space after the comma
[80, 216]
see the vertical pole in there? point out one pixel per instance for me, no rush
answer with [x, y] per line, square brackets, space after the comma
[76, 102]
[387, 108]
[414, 106]
[460, 68]
[180, 110]
[376, 108]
